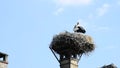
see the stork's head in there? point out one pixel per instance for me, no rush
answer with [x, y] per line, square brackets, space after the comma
[77, 23]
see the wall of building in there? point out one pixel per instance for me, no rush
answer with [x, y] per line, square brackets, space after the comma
[3, 65]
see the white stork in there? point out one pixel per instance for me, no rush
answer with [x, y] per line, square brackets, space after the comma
[79, 29]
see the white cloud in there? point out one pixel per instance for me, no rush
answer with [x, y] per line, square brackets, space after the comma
[101, 11]
[93, 27]
[73, 2]
[90, 16]
[111, 47]
[59, 11]
[96, 28]
[118, 2]
[67, 3]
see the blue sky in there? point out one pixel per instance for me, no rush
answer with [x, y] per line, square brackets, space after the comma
[28, 26]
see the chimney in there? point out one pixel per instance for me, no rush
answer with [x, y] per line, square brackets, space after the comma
[69, 63]
[3, 60]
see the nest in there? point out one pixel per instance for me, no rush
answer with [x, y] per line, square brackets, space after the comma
[109, 66]
[72, 43]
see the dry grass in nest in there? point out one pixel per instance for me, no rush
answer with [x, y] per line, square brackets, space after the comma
[73, 43]
[109, 66]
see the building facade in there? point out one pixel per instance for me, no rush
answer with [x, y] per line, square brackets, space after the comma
[3, 60]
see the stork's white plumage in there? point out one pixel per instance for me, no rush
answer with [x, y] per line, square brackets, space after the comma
[77, 28]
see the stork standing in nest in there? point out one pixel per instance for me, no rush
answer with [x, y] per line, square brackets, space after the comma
[79, 29]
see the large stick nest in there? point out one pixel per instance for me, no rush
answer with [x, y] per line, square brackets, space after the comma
[109, 66]
[72, 43]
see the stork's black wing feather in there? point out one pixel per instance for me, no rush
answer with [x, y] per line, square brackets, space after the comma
[81, 29]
